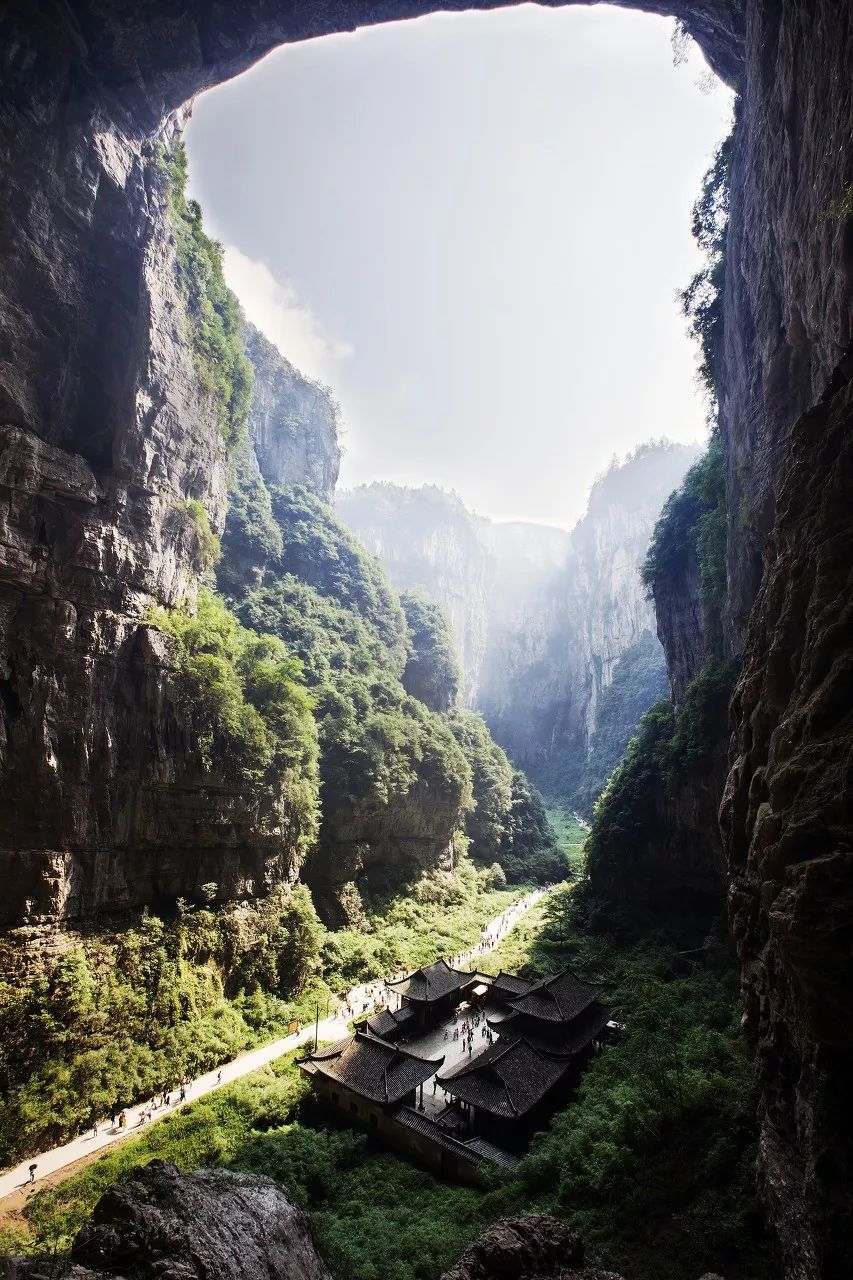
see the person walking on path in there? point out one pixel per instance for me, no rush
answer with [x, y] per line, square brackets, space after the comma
[33, 1168]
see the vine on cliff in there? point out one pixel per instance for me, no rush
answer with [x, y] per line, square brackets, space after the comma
[702, 300]
[213, 312]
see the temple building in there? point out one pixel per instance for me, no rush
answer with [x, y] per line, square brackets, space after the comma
[505, 1090]
[561, 1014]
[362, 1076]
[391, 1024]
[433, 991]
[376, 1086]
[481, 1105]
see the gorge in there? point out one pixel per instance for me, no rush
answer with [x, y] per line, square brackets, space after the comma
[163, 749]
[542, 618]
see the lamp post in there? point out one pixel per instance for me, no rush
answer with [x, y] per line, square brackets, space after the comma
[317, 1027]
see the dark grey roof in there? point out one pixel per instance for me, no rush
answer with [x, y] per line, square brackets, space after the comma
[507, 1079]
[431, 982]
[557, 999]
[505, 986]
[377, 1070]
[429, 1128]
[488, 1151]
[473, 1149]
[555, 1038]
[388, 1022]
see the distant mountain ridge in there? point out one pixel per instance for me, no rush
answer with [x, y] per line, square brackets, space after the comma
[541, 617]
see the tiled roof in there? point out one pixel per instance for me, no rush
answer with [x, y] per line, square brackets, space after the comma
[431, 1129]
[488, 1151]
[508, 985]
[473, 1149]
[431, 982]
[388, 1023]
[506, 1079]
[557, 1038]
[377, 1070]
[557, 999]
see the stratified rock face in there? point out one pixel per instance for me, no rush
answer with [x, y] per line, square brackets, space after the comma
[787, 820]
[103, 800]
[194, 1226]
[540, 616]
[91, 364]
[534, 1248]
[429, 539]
[679, 618]
[293, 422]
[370, 848]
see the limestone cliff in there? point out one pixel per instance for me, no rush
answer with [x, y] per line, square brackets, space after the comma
[93, 365]
[293, 422]
[106, 443]
[541, 617]
[161, 1222]
[429, 539]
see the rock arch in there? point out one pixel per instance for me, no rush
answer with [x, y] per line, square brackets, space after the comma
[102, 433]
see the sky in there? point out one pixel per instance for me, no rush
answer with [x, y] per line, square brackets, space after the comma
[473, 227]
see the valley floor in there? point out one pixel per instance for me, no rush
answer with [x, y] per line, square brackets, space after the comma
[60, 1162]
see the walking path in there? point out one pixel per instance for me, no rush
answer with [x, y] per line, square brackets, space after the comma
[16, 1182]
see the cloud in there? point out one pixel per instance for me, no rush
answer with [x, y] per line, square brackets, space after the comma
[273, 307]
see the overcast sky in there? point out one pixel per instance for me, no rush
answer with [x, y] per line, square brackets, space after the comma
[473, 226]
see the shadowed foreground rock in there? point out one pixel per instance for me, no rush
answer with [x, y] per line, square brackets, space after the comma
[534, 1248]
[207, 1225]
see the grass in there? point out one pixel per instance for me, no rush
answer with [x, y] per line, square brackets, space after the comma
[571, 837]
[652, 1160]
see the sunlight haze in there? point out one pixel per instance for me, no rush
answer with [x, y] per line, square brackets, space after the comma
[473, 228]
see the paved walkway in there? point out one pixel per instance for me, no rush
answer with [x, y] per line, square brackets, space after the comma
[357, 1000]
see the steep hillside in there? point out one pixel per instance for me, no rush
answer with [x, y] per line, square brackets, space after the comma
[541, 617]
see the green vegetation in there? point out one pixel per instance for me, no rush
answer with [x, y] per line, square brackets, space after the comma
[432, 671]
[638, 682]
[206, 550]
[529, 849]
[631, 815]
[507, 822]
[330, 604]
[651, 1162]
[439, 915]
[691, 531]
[213, 313]
[320, 551]
[702, 300]
[251, 538]
[251, 715]
[571, 838]
[491, 773]
[121, 1015]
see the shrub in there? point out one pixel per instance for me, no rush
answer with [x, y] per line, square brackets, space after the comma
[213, 313]
[250, 710]
[432, 670]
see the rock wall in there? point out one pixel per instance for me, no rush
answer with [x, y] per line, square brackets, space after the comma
[541, 617]
[293, 422]
[787, 818]
[103, 802]
[426, 538]
[88, 366]
[161, 1222]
